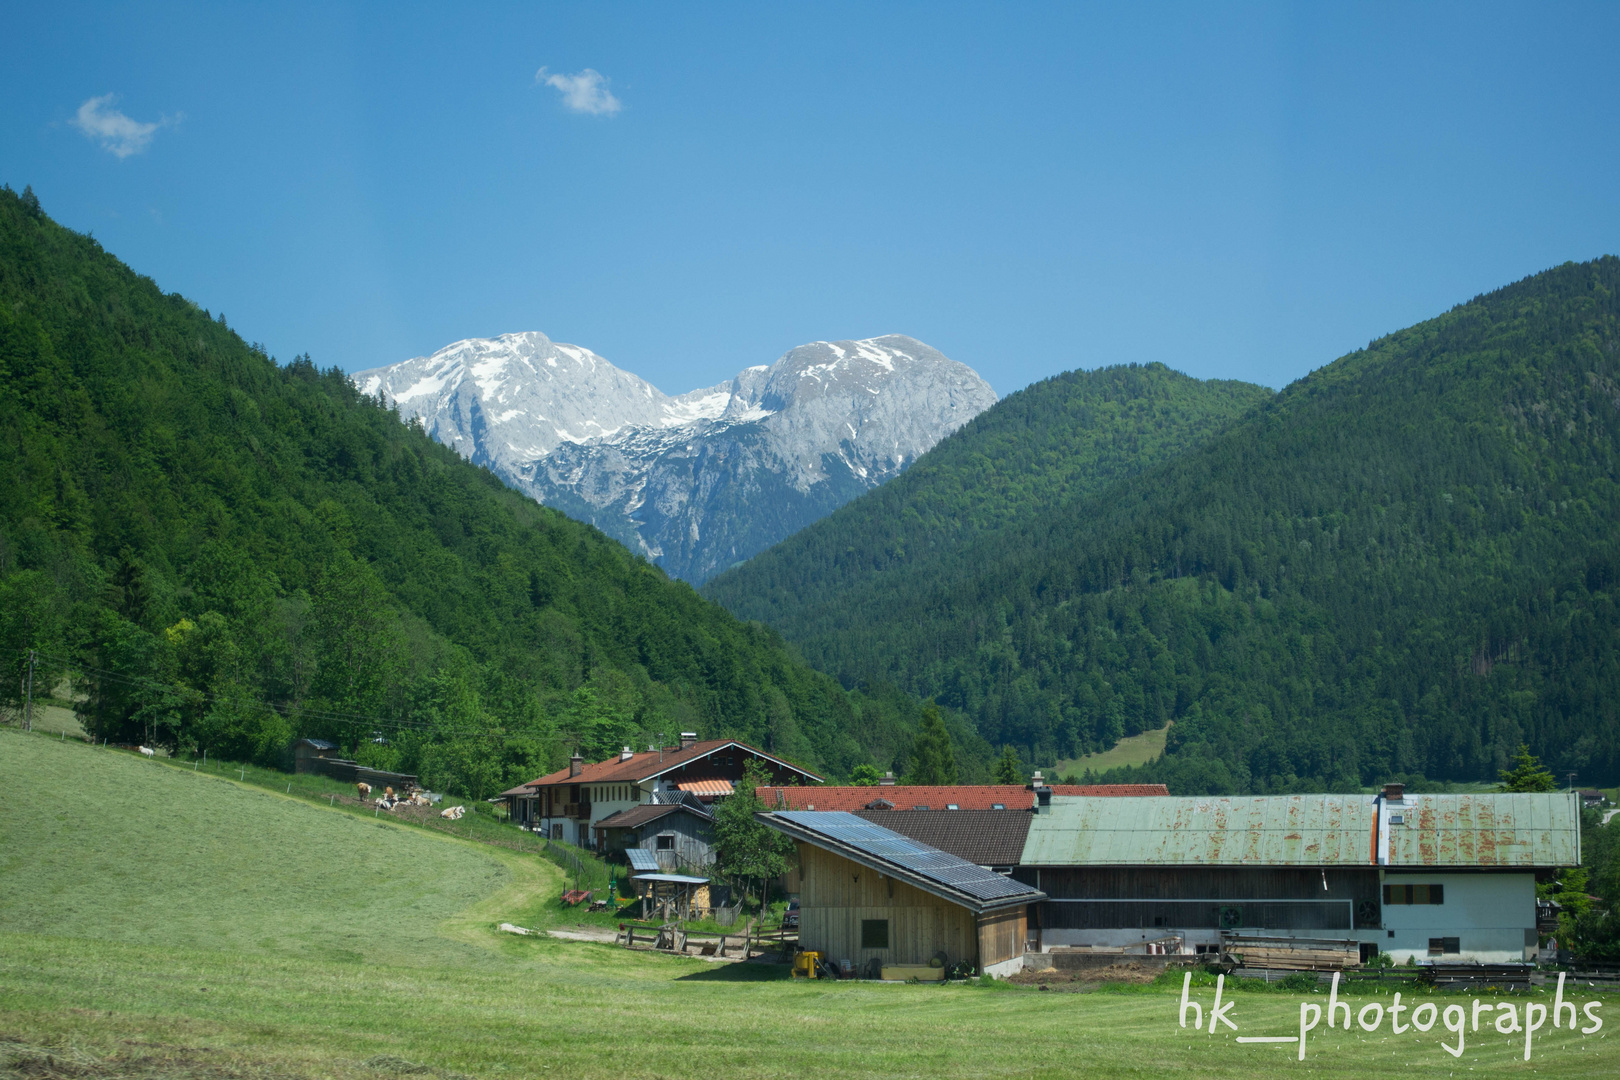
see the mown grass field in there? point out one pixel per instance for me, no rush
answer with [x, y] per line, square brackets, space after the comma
[156, 923]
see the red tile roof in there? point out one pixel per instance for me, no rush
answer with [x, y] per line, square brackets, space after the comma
[965, 796]
[650, 763]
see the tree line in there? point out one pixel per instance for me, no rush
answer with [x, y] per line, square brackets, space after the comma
[224, 552]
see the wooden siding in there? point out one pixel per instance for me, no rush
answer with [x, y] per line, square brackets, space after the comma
[836, 894]
[1268, 897]
[1202, 883]
[694, 842]
[1001, 935]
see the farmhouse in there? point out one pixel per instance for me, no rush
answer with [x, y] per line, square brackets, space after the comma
[569, 804]
[877, 898]
[1441, 877]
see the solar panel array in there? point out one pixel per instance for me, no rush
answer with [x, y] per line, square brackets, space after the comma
[642, 859]
[902, 851]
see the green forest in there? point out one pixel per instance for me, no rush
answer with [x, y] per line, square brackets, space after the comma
[223, 553]
[1402, 566]
[1046, 445]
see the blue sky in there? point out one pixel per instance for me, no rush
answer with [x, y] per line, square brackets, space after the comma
[1242, 192]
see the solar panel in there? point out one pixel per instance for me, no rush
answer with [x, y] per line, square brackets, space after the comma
[875, 840]
[642, 859]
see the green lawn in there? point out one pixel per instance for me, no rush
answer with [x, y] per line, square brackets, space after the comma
[1131, 750]
[158, 923]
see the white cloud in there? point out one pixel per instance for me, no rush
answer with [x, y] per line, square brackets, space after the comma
[586, 92]
[118, 134]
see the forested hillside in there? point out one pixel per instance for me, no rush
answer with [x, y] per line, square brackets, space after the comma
[1406, 563]
[1045, 446]
[228, 552]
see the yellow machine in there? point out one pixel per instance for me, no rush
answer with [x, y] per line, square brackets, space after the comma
[805, 964]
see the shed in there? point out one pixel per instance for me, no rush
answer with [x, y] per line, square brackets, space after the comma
[673, 896]
[676, 834]
[871, 894]
[307, 751]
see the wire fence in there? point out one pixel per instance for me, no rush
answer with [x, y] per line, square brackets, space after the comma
[587, 871]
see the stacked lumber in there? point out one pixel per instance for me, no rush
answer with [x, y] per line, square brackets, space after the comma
[1279, 957]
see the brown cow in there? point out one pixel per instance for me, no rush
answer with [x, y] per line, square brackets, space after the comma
[364, 790]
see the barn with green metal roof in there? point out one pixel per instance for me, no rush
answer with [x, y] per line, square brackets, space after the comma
[1447, 876]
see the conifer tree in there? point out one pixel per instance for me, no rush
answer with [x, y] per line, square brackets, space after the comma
[1007, 768]
[933, 761]
[1527, 774]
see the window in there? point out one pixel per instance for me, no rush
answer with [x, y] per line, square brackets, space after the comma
[1414, 894]
[874, 933]
[998, 806]
[666, 841]
[920, 806]
[1439, 946]
[952, 806]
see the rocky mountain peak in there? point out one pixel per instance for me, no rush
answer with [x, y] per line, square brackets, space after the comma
[700, 480]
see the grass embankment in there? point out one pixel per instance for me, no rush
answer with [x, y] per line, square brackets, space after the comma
[154, 923]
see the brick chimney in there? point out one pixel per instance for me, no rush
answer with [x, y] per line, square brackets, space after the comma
[1394, 792]
[576, 765]
[887, 780]
[688, 740]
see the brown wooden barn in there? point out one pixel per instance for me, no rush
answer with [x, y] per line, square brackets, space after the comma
[869, 894]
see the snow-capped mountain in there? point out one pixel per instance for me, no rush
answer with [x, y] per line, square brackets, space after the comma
[699, 481]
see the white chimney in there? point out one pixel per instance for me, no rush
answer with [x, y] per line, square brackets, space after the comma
[626, 754]
[887, 781]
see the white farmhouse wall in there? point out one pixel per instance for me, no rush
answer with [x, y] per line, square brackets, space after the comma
[1493, 916]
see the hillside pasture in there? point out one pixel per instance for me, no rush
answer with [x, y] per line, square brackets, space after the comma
[1131, 750]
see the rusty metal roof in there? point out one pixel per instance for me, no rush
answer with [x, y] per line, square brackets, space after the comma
[1257, 830]
[1487, 830]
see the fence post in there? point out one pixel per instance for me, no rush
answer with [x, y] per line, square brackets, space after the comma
[28, 709]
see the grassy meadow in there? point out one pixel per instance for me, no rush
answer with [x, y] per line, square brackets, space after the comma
[1131, 750]
[156, 922]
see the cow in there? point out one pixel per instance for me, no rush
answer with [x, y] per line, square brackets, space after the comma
[364, 789]
[453, 813]
[146, 751]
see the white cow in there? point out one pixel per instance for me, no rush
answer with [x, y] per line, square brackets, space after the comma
[147, 751]
[453, 813]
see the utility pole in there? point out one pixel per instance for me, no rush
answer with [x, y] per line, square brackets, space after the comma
[28, 709]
